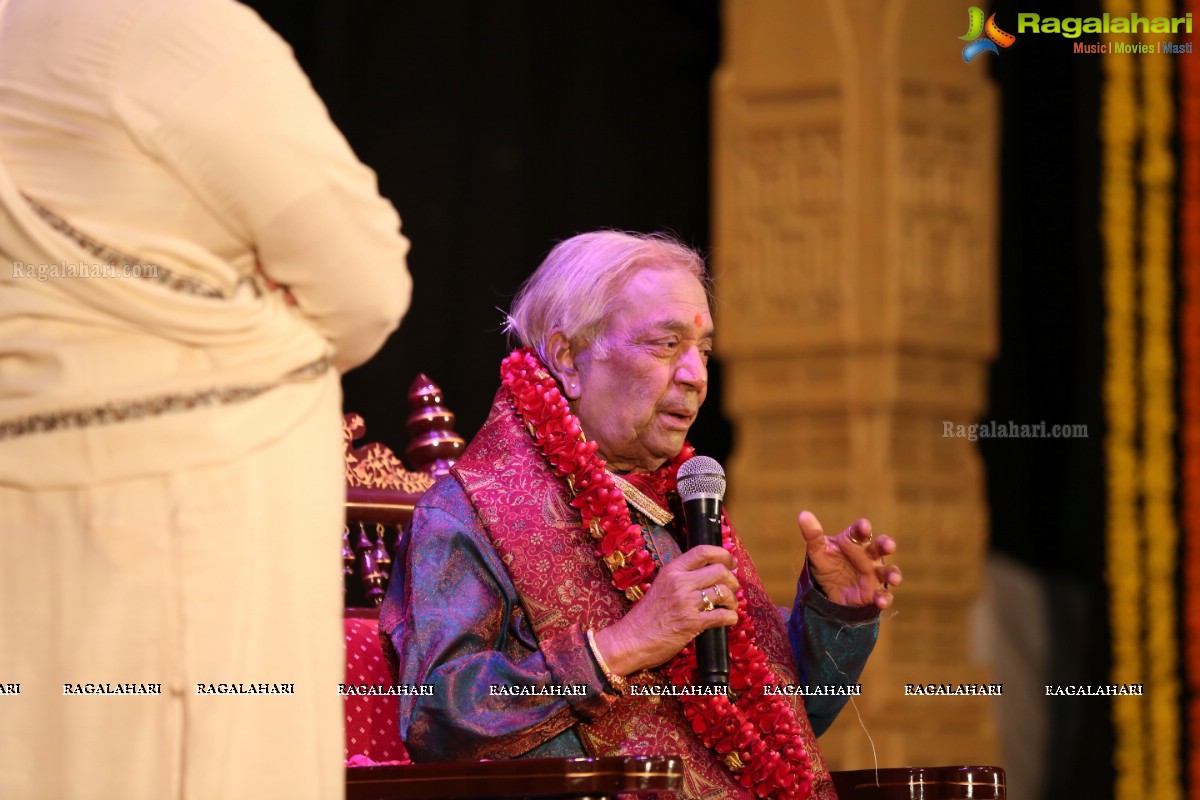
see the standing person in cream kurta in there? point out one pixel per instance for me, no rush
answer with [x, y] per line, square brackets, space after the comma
[190, 254]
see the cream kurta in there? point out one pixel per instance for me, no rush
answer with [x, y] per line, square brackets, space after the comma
[170, 474]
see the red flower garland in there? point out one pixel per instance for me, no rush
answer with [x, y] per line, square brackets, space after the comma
[1189, 382]
[756, 736]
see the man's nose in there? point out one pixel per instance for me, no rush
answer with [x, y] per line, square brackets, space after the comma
[691, 370]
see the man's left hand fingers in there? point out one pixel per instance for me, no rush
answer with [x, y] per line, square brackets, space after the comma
[810, 526]
[884, 545]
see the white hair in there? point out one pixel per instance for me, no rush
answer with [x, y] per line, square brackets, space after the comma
[575, 288]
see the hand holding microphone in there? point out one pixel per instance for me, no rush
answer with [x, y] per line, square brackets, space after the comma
[701, 486]
[693, 596]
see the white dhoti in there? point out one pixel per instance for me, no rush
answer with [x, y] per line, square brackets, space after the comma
[218, 578]
[195, 252]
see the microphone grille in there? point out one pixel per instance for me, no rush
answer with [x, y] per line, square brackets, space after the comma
[700, 476]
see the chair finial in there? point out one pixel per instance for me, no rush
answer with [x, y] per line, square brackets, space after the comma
[433, 444]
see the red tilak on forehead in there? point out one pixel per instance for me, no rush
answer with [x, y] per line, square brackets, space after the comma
[699, 320]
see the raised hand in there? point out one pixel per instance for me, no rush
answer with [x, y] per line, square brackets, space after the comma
[849, 567]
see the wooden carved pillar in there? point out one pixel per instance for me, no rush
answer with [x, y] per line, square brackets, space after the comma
[855, 257]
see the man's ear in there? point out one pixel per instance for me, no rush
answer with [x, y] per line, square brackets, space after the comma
[562, 364]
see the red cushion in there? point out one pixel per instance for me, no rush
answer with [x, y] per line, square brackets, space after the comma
[371, 720]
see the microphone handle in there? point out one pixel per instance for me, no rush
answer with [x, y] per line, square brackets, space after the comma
[703, 517]
[712, 657]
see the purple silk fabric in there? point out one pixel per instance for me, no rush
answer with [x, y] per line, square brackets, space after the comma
[452, 619]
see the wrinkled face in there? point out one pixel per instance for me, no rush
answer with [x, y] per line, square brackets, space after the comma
[638, 402]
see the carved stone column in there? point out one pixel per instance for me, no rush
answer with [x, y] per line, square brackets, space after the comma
[855, 256]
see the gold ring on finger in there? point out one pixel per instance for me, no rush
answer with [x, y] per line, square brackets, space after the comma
[708, 604]
[719, 592]
[858, 541]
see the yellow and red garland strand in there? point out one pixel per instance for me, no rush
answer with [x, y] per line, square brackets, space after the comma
[1123, 539]
[1157, 178]
[1142, 535]
[1189, 348]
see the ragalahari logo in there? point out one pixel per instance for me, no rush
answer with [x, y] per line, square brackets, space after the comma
[975, 27]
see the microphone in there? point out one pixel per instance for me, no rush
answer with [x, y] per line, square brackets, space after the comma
[701, 486]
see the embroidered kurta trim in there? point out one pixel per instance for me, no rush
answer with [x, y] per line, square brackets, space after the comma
[125, 411]
[636, 498]
[148, 271]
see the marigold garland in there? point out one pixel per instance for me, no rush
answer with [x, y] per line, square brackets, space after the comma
[1142, 547]
[1158, 418]
[756, 736]
[1123, 534]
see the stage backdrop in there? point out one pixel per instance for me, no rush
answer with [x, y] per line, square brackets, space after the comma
[498, 130]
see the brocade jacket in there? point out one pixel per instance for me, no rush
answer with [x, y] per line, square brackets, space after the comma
[453, 619]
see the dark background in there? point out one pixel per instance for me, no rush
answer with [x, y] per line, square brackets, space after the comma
[499, 129]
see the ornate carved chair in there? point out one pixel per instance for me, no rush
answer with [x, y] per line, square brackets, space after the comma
[381, 495]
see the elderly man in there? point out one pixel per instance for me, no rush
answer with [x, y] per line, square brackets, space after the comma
[550, 558]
